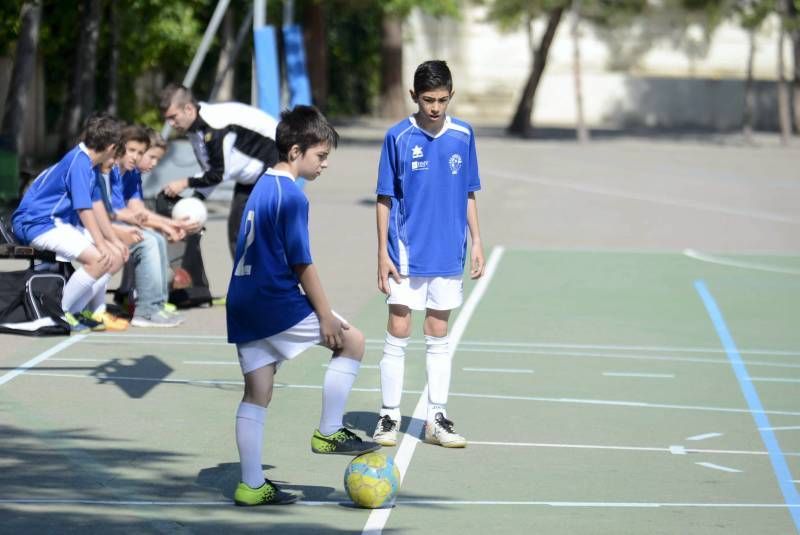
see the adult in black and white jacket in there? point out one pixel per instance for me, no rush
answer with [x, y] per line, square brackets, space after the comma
[231, 141]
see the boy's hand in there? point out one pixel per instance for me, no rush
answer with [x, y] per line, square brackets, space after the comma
[121, 249]
[477, 264]
[140, 218]
[174, 233]
[330, 330]
[385, 269]
[129, 235]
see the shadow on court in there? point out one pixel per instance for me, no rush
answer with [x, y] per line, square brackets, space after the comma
[366, 421]
[136, 379]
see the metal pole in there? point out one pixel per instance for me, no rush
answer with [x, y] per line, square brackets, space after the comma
[288, 12]
[202, 50]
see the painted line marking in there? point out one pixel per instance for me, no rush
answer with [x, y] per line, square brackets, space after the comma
[776, 457]
[211, 362]
[775, 379]
[377, 519]
[41, 357]
[197, 338]
[704, 436]
[719, 467]
[643, 375]
[783, 428]
[401, 502]
[367, 366]
[675, 449]
[498, 370]
[601, 402]
[622, 194]
[704, 257]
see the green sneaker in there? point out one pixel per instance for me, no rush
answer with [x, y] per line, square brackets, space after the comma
[342, 442]
[86, 318]
[170, 308]
[266, 494]
[75, 326]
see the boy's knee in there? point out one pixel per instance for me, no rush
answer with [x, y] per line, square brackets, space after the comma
[354, 343]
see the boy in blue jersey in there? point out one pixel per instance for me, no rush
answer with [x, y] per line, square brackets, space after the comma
[271, 320]
[56, 215]
[427, 179]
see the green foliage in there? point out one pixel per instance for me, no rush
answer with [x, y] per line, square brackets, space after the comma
[9, 23]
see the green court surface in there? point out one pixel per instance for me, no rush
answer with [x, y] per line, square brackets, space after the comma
[601, 392]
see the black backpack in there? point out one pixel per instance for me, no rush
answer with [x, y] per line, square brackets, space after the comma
[30, 303]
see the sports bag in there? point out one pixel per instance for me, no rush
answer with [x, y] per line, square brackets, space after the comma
[30, 303]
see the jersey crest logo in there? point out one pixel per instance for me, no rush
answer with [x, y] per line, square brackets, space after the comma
[207, 137]
[416, 152]
[455, 163]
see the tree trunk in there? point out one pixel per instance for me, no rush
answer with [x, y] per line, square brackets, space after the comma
[521, 122]
[81, 97]
[12, 128]
[749, 94]
[794, 35]
[224, 75]
[317, 53]
[784, 113]
[392, 91]
[582, 130]
[113, 65]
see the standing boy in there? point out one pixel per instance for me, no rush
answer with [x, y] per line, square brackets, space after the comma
[56, 215]
[270, 320]
[427, 179]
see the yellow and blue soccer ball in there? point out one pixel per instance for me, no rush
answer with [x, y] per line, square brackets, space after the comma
[372, 480]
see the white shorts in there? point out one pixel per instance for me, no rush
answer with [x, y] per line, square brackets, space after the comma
[67, 241]
[420, 293]
[285, 345]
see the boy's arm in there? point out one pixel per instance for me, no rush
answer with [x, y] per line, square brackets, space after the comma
[171, 228]
[477, 264]
[385, 265]
[329, 325]
[104, 225]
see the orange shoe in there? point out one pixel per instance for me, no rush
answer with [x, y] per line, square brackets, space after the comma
[112, 322]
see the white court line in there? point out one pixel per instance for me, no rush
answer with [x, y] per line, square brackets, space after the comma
[784, 428]
[498, 370]
[377, 519]
[775, 379]
[675, 450]
[656, 199]
[200, 340]
[41, 357]
[401, 502]
[578, 401]
[719, 467]
[643, 375]
[704, 257]
[704, 436]
[212, 362]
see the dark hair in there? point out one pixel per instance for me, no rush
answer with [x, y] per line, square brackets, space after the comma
[100, 131]
[132, 132]
[304, 126]
[432, 74]
[175, 94]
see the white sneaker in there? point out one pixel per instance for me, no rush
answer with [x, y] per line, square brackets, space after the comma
[441, 432]
[386, 431]
[159, 319]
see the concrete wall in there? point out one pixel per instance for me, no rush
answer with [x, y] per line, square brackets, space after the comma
[678, 84]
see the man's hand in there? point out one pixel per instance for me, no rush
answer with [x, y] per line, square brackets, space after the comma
[386, 269]
[331, 331]
[189, 226]
[174, 188]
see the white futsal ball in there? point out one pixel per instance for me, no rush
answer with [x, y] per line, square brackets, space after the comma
[190, 207]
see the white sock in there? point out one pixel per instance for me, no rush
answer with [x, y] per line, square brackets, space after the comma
[336, 386]
[77, 291]
[392, 367]
[97, 304]
[438, 364]
[249, 436]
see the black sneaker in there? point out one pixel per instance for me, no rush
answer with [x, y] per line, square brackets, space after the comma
[266, 494]
[342, 442]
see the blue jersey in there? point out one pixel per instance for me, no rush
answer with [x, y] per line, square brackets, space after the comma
[132, 185]
[56, 195]
[108, 188]
[429, 179]
[263, 296]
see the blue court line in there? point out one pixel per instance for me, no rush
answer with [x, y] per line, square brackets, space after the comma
[776, 457]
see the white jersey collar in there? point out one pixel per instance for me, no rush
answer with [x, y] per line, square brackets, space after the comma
[273, 171]
[444, 129]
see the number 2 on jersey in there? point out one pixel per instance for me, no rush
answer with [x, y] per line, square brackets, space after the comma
[242, 269]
